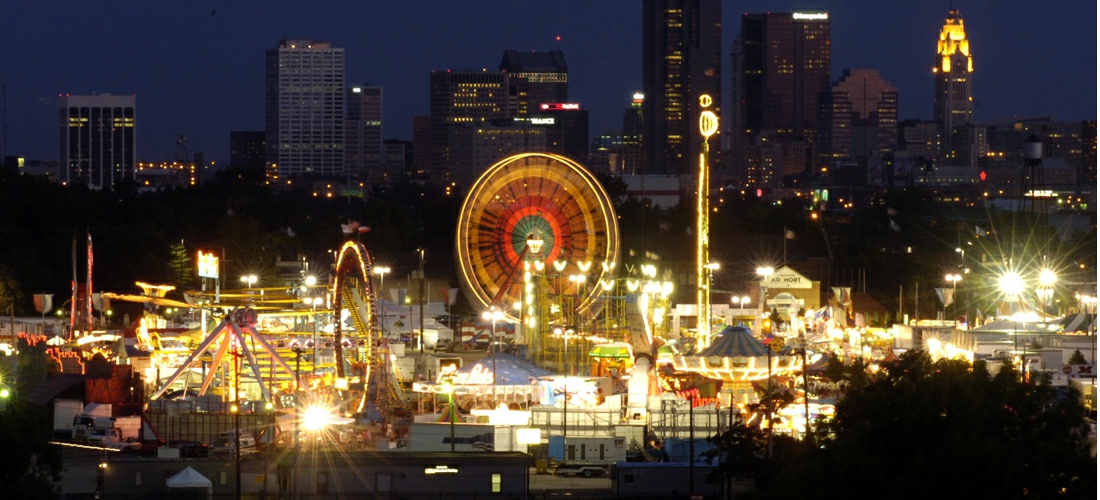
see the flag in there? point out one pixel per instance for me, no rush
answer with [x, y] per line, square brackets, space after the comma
[788, 234]
[43, 302]
[364, 229]
[843, 295]
[290, 232]
[894, 225]
[352, 227]
[890, 211]
[946, 295]
[449, 295]
[978, 231]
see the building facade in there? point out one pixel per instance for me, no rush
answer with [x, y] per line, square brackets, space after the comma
[458, 99]
[681, 61]
[98, 134]
[534, 79]
[305, 106]
[363, 150]
[859, 117]
[247, 149]
[785, 60]
[953, 106]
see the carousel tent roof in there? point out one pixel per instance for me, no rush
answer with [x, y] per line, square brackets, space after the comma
[510, 370]
[732, 342]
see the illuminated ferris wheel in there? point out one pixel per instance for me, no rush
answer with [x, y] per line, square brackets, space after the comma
[533, 196]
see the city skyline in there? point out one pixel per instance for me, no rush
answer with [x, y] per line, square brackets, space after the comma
[198, 70]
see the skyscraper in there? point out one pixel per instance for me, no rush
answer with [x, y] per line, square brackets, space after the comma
[786, 65]
[535, 78]
[954, 99]
[860, 117]
[305, 109]
[363, 151]
[97, 139]
[461, 98]
[783, 62]
[681, 61]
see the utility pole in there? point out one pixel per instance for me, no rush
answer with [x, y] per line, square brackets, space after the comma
[420, 298]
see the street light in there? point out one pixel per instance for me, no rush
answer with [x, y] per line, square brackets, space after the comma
[449, 387]
[249, 280]
[704, 316]
[493, 315]
[314, 302]
[579, 281]
[1011, 285]
[1045, 291]
[954, 280]
[382, 271]
[766, 273]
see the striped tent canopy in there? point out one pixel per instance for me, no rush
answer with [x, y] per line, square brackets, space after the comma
[1080, 322]
[735, 355]
[734, 342]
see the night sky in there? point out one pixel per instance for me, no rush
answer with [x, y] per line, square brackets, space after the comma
[197, 67]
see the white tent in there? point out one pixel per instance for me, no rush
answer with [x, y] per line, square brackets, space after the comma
[190, 479]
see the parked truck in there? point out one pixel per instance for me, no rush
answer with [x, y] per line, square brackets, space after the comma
[586, 456]
[84, 422]
[64, 411]
[121, 433]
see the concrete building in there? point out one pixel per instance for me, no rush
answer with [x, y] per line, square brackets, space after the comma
[681, 61]
[98, 139]
[247, 150]
[305, 109]
[460, 98]
[321, 472]
[784, 61]
[534, 79]
[363, 150]
[859, 117]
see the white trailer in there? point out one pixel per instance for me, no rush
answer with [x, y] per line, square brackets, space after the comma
[64, 411]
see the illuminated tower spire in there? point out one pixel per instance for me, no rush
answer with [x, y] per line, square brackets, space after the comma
[954, 101]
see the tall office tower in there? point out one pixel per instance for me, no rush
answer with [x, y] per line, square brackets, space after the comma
[459, 99]
[97, 139]
[421, 148]
[954, 100]
[786, 65]
[681, 61]
[363, 152]
[859, 117]
[247, 150]
[534, 78]
[305, 109]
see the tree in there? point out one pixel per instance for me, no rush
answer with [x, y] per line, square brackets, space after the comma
[179, 264]
[1077, 358]
[29, 465]
[925, 429]
[10, 293]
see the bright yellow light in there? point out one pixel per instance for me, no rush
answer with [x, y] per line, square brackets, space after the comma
[1047, 277]
[1011, 284]
[316, 418]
